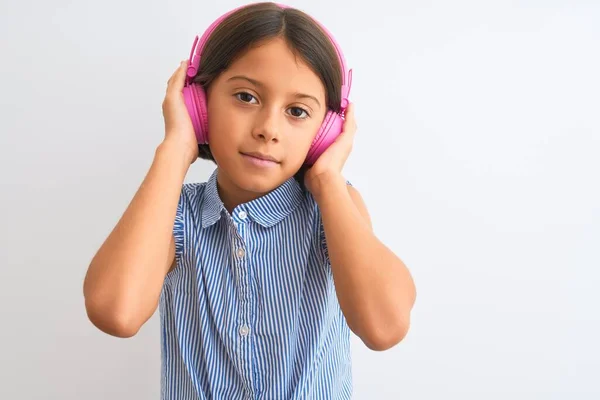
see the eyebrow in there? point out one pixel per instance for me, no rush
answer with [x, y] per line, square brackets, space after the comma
[261, 85]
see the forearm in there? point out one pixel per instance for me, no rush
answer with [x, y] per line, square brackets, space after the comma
[374, 287]
[125, 278]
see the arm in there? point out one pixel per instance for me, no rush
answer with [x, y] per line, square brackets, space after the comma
[124, 279]
[374, 288]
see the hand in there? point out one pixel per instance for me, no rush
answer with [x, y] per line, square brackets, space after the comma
[179, 130]
[328, 167]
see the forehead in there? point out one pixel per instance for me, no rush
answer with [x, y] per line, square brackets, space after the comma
[275, 64]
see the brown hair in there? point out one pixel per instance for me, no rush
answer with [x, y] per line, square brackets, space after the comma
[261, 21]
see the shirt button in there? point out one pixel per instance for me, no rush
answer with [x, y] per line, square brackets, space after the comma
[244, 330]
[240, 252]
[242, 215]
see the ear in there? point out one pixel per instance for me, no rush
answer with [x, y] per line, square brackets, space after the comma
[360, 204]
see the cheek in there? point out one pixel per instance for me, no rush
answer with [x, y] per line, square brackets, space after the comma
[299, 143]
[217, 113]
[220, 128]
[224, 121]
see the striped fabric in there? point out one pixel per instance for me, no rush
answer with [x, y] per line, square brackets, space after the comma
[250, 311]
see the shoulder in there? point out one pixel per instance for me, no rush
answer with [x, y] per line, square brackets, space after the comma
[193, 188]
[189, 203]
[191, 193]
[188, 211]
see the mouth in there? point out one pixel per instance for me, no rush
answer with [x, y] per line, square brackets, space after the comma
[260, 157]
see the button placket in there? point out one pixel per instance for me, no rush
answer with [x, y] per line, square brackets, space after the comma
[241, 263]
[239, 256]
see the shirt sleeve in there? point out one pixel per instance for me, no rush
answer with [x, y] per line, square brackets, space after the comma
[178, 227]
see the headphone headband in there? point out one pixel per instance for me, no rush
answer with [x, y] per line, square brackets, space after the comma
[199, 44]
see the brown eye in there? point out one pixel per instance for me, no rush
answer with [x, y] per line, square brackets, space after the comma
[298, 112]
[244, 97]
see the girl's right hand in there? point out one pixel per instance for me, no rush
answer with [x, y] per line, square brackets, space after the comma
[179, 130]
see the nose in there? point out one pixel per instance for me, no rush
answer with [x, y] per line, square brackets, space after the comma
[267, 125]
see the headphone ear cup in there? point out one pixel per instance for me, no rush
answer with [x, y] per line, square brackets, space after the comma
[195, 102]
[330, 129]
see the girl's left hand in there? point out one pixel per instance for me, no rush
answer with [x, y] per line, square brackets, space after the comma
[329, 165]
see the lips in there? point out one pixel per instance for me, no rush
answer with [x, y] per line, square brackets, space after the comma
[261, 156]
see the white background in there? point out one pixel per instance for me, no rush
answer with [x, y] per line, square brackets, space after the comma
[478, 154]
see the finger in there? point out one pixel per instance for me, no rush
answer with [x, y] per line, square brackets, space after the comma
[350, 122]
[174, 74]
[349, 128]
[180, 75]
[349, 115]
[177, 80]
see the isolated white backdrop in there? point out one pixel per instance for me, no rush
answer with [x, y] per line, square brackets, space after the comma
[477, 154]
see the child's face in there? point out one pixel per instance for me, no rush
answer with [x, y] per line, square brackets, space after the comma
[269, 103]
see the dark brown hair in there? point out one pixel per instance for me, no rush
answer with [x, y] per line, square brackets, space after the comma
[262, 21]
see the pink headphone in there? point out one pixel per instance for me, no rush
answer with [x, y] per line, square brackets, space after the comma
[195, 98]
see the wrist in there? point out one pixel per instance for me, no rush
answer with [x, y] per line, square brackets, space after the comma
[177, 150]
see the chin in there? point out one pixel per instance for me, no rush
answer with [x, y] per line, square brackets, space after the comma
[258, 183]
[256, 178]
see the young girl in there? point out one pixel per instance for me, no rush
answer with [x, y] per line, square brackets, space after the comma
[262, 271]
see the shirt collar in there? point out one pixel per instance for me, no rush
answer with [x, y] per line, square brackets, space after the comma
[266, 210]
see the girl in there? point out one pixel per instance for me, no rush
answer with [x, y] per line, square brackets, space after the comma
[261, 272]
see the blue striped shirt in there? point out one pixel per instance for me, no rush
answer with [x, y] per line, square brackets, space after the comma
[250, 311]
